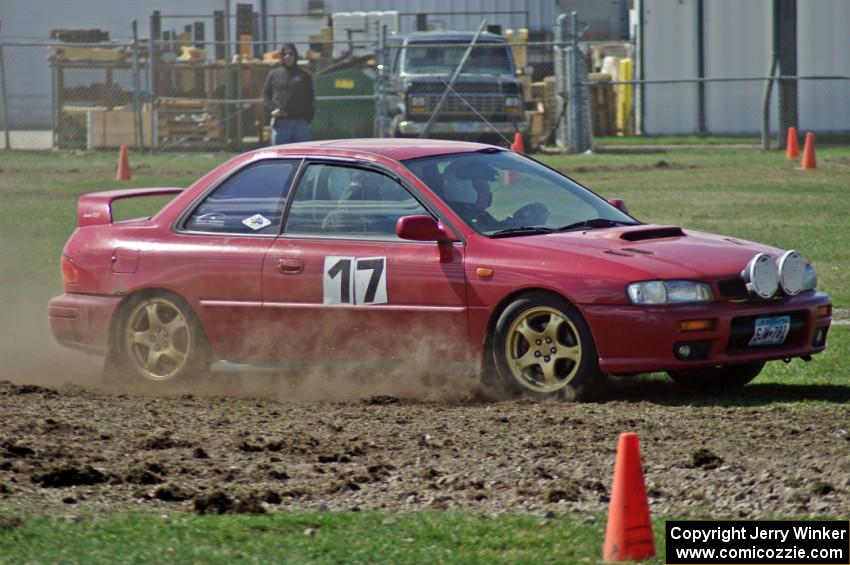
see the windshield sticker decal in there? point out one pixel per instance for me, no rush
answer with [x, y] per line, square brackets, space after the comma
[257, 222]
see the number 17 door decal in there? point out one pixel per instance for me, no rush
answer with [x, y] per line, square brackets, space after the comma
[349, 280]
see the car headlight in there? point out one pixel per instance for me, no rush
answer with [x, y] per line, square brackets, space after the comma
[793, 273]
[511, 101]
[669, 292]
[761, 276]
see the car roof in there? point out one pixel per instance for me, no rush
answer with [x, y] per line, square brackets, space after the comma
[397, 149]
[445, 36]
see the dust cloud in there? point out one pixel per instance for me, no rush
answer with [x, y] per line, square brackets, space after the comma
[421, 374]
[28, 352]
[30, 355]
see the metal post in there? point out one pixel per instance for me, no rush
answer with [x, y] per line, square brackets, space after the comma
[264, 27]
[137, 106]
[239, 119]
[54, 95]
[3, 98]
[451, 83]
[380, 99]
[638, 73]
[768, 85]
[701, 124]
[226, 29]
[574, 86]
[152, 55]
[560, 81]
[785, 42]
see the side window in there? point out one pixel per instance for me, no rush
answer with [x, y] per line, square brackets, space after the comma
[250, 201]
[345, 201]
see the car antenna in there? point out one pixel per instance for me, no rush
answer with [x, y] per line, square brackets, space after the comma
[477, 113]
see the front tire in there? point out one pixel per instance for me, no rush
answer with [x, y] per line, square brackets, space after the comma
[157, 341]
[718, 378]
[543, 348]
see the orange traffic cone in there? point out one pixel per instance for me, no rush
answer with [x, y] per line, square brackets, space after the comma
[792, 146]
[628, 536]
[809, 153]
[518, 145]
[123, 164]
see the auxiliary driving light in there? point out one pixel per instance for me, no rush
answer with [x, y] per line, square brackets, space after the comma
[792, 272]
[820, 337]
[761, 276]
[691, 350]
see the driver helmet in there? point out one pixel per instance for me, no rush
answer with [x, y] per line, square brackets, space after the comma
[467, 181]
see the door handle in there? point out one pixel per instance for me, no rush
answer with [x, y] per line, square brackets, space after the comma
[290, 266]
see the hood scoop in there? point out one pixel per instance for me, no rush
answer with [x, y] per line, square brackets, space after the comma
[658, 232]
[637, 251]
[628, 252]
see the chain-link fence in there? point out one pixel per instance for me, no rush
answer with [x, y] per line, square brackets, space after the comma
[171, 94]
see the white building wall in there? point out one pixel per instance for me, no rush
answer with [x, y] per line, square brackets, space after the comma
[823, 48]
[669, 52]
[738, 43]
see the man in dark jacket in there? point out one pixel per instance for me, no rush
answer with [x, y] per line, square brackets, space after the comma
[288, 94]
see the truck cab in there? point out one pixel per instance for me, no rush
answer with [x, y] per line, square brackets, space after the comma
[487, 89]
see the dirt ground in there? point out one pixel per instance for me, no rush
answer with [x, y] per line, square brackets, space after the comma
[257, 446]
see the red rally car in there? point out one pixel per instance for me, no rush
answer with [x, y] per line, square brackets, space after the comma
[380, 249]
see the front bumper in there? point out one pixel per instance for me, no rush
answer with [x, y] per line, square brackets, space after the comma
[634, 339]
[462, 128]
[81, 321]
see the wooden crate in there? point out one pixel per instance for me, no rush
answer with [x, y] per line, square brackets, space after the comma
[536, 131]
[537, 90]
[113, 128]
[603, 105]
[550, 104]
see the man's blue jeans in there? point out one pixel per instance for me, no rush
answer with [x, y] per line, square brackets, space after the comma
[287, 130]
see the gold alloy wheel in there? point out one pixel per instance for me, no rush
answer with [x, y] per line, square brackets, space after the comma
[157, 339]
[543, 349]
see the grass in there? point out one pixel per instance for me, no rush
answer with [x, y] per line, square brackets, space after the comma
[648, 140]
[705, 141]
[349, 537]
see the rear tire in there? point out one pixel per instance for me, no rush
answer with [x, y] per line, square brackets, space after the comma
[717, 378]
[542, 348]
[157, 342]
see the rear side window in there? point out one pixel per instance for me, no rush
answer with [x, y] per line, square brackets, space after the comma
[250, 201]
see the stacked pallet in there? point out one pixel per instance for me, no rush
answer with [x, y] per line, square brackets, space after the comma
[188, 119]
[550, 104]
[603, 104]
[540, 112]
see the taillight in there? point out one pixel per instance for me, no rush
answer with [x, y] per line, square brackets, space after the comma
[70, 272]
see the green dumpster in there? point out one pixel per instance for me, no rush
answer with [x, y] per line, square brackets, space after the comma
[350, 112]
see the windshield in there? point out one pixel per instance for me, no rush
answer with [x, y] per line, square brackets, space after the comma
[501, 193]
[423, 58]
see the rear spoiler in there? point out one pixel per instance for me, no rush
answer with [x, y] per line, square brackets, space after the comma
[96, 208]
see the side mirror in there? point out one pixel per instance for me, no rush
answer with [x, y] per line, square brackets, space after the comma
[619, 204]
[422, 228]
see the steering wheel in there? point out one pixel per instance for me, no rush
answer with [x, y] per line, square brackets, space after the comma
[534, 214]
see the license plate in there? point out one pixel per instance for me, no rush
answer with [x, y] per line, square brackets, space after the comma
[771, 331]
[465, 127]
